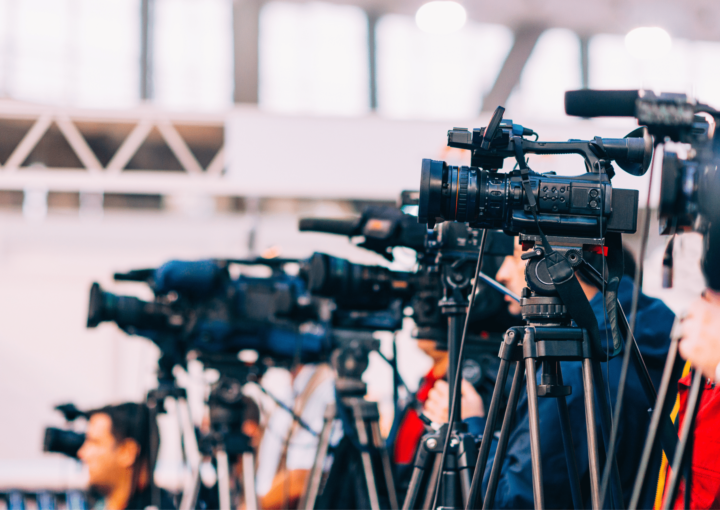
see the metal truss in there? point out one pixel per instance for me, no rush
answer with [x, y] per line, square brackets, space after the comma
[113, 177]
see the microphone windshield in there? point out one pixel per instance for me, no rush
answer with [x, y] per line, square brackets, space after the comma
[601, 103]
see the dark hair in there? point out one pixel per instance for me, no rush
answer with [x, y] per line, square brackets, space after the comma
[628, 262]
[132, 421]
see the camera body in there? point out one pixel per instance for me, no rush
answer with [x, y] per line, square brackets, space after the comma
[580, 206]
[198, 306]
[690, 182]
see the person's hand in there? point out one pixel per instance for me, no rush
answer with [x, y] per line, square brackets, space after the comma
[700, 335]
[436, 405]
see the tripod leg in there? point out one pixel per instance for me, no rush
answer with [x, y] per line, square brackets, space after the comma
[474, 500]
[606, 425]
[683, 453]
[248, 465]
[192, 455]
[655, 421]
[387, 466]
[432, 483]
[668, 434]
[569, 447]
[593, 459]
[422, 457]
[534, 419]
[504, 436]
[413, 489]
[365, 455]
[313, 487]
[223, 471]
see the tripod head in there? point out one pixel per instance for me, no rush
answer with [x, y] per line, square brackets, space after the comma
[547, 302]
[228, 406]
[350, 359]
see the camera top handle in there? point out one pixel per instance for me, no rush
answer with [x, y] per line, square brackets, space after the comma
[632, 153]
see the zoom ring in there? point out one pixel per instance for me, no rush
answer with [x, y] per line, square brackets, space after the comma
[462, 199]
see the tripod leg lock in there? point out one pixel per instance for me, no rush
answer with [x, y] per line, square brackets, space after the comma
[550, 384]
[510, 349]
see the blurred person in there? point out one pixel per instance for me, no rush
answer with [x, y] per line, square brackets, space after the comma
[412, 428]
[700, 346]
[700, 343]
[117, 453]
[653, 326]
[287, 449]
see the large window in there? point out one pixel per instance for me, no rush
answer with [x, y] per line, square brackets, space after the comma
[553, 68]
[692, 67]
[193, 54]
[70, 52]
[437, 76]
[313, 59]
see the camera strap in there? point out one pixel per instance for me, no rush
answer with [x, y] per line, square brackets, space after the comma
[560, 270]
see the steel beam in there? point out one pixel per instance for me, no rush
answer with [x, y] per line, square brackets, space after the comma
[585, 61]
[511, 71]
[372, 18]
[246, 30]
[147, 14]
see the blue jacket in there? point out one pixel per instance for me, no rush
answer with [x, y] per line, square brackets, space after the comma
[654, 323]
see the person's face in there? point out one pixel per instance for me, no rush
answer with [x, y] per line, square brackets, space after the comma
[107, 460]
[512, 275]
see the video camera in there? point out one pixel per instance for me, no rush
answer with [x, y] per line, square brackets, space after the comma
[690, 183]
[382, 228]
[198, 306]
[65, 441]
[579, 206]
[359, 287]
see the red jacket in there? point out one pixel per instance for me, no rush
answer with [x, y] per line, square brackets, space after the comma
[412, 428]
[705, 487]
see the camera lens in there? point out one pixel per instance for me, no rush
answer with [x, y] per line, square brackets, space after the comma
[62, 441]
[464, 194]
[432, 178]
[125, 311]
[98, 308]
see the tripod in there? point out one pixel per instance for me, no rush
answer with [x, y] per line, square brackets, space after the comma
[226, 441]
[156, 400]
[361, 474]
[456, 268]
[681, 466]
[548, 338]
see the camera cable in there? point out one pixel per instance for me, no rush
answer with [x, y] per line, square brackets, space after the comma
[458, 371]
[626, 360]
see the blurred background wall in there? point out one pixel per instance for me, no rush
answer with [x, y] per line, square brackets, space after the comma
[137, 131]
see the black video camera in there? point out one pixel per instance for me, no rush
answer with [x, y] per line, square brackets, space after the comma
[690, 183]
[358, 289]
[579, 206]
[67, 442]
[198, 306]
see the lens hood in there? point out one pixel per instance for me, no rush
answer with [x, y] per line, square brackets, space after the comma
[431, 180]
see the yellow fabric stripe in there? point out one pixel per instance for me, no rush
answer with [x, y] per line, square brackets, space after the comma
[663, 466]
